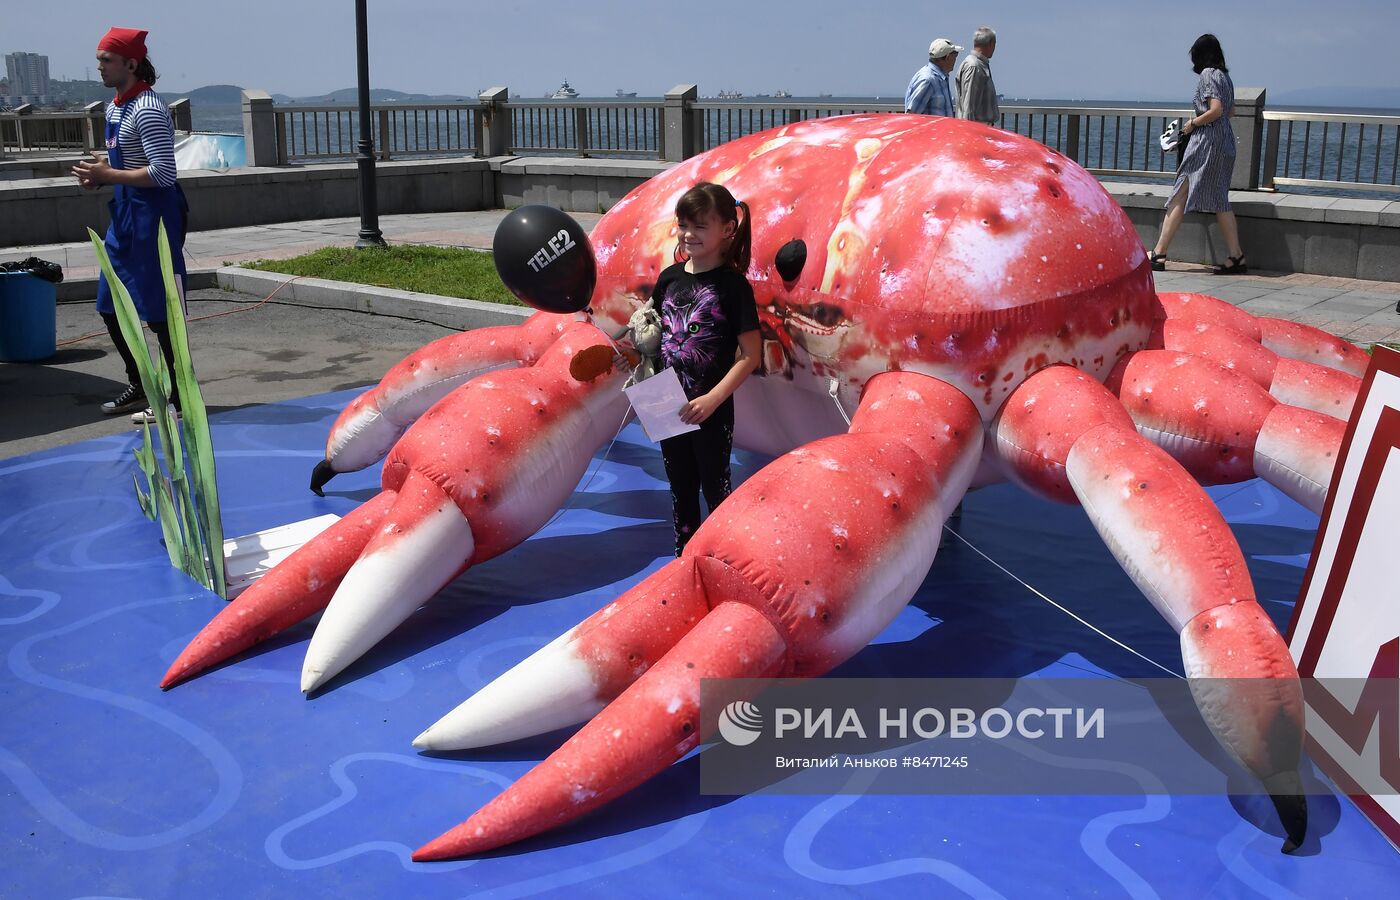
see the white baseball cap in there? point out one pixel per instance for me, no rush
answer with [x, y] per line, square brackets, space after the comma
[941, 48]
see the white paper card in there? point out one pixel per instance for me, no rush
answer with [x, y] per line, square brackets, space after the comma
[658, 402]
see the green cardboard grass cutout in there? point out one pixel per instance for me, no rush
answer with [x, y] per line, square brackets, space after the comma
[184, 496]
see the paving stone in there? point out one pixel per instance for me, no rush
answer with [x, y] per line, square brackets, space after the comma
[1370, 334]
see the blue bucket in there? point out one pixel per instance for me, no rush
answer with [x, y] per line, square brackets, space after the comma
[27, 314]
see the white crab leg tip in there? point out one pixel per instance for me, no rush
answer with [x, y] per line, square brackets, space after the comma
[405, 566]
[550, 689]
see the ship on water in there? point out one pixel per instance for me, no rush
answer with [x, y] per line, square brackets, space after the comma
[624, 94]
[730, 95]
[565, 92]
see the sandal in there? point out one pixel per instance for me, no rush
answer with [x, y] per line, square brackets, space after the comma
[1237, 266]
[1158, 260]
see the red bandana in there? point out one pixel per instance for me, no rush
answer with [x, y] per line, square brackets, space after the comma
[131, 93]
[127, 42]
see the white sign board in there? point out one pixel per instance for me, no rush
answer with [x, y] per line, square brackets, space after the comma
[1347, 621]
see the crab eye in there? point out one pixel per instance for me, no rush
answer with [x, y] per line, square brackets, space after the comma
[693, 328]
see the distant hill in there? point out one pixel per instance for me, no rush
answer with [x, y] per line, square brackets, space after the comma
[381, 95]
[1365, 97]
[212, 94]
[232, 95]
[78, 92]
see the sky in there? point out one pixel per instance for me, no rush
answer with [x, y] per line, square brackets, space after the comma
[1100, 49]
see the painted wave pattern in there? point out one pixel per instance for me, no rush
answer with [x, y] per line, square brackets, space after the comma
[347, 800]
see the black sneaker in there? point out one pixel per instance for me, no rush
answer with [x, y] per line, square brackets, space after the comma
[131, 398]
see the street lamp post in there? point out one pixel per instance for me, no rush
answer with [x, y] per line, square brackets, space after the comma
[370, 235]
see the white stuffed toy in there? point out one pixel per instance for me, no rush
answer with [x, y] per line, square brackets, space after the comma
[645, 327]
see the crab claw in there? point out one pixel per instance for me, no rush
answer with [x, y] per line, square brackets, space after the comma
[791, 575]
[1244, 683]
[578, 673]
[300, 586]
[654, 723]
[368, 427]
[454, 495]
[419, 548]
[1063, 435]
[477, 474]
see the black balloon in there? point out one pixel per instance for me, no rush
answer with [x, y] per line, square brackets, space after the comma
[544, 258]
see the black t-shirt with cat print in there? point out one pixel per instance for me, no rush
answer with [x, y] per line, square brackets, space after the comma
[702, 317]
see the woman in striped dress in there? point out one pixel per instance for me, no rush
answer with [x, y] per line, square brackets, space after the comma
[1203, 181]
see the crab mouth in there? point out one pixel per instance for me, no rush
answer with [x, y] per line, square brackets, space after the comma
[817, 319]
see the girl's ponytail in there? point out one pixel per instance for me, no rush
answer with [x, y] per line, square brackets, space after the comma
[741, 248]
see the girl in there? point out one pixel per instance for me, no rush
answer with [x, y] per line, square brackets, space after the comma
[709, 335]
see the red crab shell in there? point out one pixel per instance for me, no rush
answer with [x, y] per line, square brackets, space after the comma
[933, 245]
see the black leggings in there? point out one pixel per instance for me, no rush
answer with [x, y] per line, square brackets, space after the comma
[699, 461]
[167, 350]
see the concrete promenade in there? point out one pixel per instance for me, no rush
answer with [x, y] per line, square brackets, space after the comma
[1358, 310]
[281, 350]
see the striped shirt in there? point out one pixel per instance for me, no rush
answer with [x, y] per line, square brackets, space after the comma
[146, 135]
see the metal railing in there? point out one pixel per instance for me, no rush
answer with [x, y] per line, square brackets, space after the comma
[1319, 150]
[1111, 141]
[717, 122]
[1119, 141]
[26, 130]
[1307, 151]
[623, 128]
[313, 133]
[21, 132]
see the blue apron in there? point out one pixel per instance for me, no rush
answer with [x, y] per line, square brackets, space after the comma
[131, 238]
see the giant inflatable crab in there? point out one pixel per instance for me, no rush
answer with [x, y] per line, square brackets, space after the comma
[982, 310]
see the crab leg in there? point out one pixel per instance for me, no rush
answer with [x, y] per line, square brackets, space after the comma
[450, 499]
[1299, 341]
[1295, 382]
[300, 586]
[1291, 340]
[794, 573]
[477, 474]
[369, 426]
[1065, 436]
[1224, 428]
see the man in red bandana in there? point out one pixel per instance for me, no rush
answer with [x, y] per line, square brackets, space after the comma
[140, 166]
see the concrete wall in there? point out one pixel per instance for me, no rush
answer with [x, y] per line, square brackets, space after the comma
[56, 210]
[1280, 232]
[1345, 237]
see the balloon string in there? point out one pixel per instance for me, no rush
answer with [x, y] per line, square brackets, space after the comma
[831, 388]
[1062, 609]
[597, 467]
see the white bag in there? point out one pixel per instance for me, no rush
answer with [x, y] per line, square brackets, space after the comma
[1171, 137]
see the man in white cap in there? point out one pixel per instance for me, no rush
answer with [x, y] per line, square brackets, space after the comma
[928, 91]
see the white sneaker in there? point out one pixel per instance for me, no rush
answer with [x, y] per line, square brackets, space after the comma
[147, 416]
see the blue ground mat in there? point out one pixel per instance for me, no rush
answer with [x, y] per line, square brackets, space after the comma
[234, 785]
